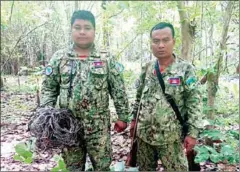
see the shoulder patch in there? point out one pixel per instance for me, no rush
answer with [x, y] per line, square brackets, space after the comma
[191, 80]
[119, 67]
[137, 83]
[48, 70]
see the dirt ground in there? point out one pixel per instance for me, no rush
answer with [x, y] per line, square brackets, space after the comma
[16, 109]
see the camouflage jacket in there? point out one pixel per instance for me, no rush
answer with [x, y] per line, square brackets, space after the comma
[158, 123]
[93, 79]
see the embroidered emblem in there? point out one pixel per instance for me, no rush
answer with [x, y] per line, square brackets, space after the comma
[98, 64]
[119, 67]
[191, 80]
[137, 83]
[48, 70]
[174, 81]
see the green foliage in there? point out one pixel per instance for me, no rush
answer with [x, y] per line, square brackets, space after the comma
[129, 77]
[227, 150]
[226, 154]
[213, 134]
[28, 84]
[23, 153]
[61, 166]
[24, 70]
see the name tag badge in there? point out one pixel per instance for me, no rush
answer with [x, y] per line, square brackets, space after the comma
[175, 81]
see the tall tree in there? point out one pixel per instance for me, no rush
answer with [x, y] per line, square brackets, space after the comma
[105, 24]
[76, 5]
[187, 31]
[213, 77]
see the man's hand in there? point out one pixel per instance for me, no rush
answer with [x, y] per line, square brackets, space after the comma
[189, 143]
[120, 126]
[132, 125]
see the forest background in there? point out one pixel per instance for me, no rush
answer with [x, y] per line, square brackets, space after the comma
[207, 35]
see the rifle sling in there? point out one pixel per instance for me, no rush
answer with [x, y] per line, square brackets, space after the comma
[70, 83]
[168, 97]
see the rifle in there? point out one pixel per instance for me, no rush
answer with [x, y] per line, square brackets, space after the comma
[132, 155]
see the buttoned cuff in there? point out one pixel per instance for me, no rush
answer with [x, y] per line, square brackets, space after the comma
[124, 118]
[193, 132]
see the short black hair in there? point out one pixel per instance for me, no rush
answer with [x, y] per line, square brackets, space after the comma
[84, 15]
[162, 25]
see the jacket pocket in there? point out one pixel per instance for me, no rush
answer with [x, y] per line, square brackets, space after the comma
[98, 77]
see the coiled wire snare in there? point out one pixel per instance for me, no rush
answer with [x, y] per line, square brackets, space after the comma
[55, 127]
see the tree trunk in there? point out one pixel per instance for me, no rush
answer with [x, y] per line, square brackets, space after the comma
[105, 24]
[76, 5]
[187, 32]
[44, 53]
[238, 68]
[213, 78]
[1, 83]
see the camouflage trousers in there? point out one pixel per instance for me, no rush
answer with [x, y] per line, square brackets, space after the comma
[97, 145]
[171, 155]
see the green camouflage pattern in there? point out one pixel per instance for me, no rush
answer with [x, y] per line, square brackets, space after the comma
[172, 157]
[93, 80]
[158, 124]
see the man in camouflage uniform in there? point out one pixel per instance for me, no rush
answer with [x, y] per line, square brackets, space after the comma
[81, 78]
[158, 129]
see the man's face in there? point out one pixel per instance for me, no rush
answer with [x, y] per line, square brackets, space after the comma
[83, 33]
[162, 43]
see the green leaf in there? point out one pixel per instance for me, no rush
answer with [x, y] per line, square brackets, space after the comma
[28, 160]
[211, 150]
[215, 157]
[22, 150]
[213, 134]
[201, 157]
[201, 149]
[227, 150]
[236, 157]
[234, 133]
[55, 169]
[231, 159]
[18, 158]
[202, 153]
[61, 164]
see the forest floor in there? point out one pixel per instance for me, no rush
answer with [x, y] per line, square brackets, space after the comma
[16, 109]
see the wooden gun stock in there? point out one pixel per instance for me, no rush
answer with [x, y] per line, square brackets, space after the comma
[132, 156]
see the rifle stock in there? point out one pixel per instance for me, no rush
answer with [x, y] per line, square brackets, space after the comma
[132, 155]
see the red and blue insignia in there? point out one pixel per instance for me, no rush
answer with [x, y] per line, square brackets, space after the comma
[174, 81]
[98, 64]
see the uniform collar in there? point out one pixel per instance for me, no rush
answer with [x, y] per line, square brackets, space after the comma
[170, 69]
[93, 51]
